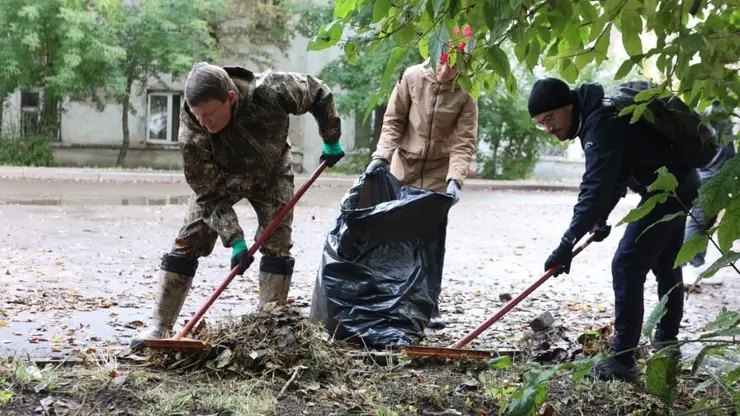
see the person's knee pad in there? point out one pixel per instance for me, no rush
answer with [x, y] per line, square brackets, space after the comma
[179, 265]
[277, 265]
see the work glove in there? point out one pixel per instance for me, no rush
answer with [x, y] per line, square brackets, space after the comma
[332, 153]
[453, 188]
[379, 166]
[563, 255]
[240, 256]
[601, 231]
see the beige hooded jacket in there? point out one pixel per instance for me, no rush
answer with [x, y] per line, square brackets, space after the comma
[429, 131]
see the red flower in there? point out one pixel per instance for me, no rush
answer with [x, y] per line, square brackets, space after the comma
[444, 58]
[468, 32]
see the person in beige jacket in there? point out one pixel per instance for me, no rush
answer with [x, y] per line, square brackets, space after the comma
[429, 134]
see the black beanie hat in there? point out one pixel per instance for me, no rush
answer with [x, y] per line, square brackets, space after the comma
[547, 95]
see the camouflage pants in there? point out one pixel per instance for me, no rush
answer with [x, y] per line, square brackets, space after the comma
[197, 238]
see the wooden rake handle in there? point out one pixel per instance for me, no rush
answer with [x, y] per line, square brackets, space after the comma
[510, 305]
[253, 249]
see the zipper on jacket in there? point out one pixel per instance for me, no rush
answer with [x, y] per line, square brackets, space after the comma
[429, 139]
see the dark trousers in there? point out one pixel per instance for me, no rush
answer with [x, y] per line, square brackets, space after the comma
[654, 250]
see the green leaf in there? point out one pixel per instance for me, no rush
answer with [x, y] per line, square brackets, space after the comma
[405, 34]
[465, 83]
[396, 55]
[727, 259]
[597, 27]
[664, 182]
[350, 52]
[638, 113]
[583, 59]
[696, 244]
[646, 95]
[524, 402]
[380, 9]
[631, 27]
[648, 115]
[624, 69]
[498, 61]
[511, 84]
[729, 227]
[725, 319]
[500, 363]
[343, 8]
[700, 388]
[718, 192]
[662, 372]
[656, 315]
[643, 209]
[602, 47]
[533, 53]
[5, 397]
[706, 351]
[627, 110]
[327, 37]
[371, 106]
[572, 35]
[666, 218]
[569, 71]
[520, 51]
[438, 44]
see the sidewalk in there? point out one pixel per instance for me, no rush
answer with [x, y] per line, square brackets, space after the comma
[131, 175]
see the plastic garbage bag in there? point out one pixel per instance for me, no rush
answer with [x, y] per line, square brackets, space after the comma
[381, 270]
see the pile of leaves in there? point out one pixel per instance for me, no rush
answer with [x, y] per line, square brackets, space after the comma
[275, 341]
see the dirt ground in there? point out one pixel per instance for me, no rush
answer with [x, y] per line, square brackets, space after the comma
[78, 265]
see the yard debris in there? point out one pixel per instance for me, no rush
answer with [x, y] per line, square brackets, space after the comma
[542, 322]
[505, 297]
[276, 342]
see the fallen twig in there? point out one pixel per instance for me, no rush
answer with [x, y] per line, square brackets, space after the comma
[290, 381]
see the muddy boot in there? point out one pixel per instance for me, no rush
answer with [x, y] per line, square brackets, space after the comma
[613, 369]
[171, 293]
[275, 277]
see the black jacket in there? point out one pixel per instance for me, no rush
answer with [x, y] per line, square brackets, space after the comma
[618, 155]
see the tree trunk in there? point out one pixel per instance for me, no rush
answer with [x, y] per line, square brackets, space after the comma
[49, 118]
[124, 123]
[363, 133]
[377, 126]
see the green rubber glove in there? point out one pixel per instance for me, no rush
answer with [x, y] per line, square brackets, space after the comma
[239, 256]
[332, 153]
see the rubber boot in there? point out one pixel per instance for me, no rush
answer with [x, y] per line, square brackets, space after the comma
[275, 277]
[171, 293]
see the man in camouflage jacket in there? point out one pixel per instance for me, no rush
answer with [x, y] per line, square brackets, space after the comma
[234, 140]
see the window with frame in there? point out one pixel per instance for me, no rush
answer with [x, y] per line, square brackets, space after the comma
[30, 116]
[30, 112]
[163, 116]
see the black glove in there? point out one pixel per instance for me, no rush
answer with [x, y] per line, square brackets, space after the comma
[563, 255]
[377, 166]
[453, 189]
[601, 231]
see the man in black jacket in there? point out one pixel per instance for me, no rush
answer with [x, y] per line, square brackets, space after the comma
[620, 155]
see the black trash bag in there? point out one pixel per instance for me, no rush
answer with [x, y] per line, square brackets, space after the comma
[381, 270]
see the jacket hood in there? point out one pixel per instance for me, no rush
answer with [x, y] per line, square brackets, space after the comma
[589, 97]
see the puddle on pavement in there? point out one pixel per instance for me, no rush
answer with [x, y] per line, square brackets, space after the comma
[135, 201]
[117, 201]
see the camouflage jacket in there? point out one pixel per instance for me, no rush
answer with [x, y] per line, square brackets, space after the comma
[223, 168]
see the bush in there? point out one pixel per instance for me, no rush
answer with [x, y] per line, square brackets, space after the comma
[26, 151]
[508, 141]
